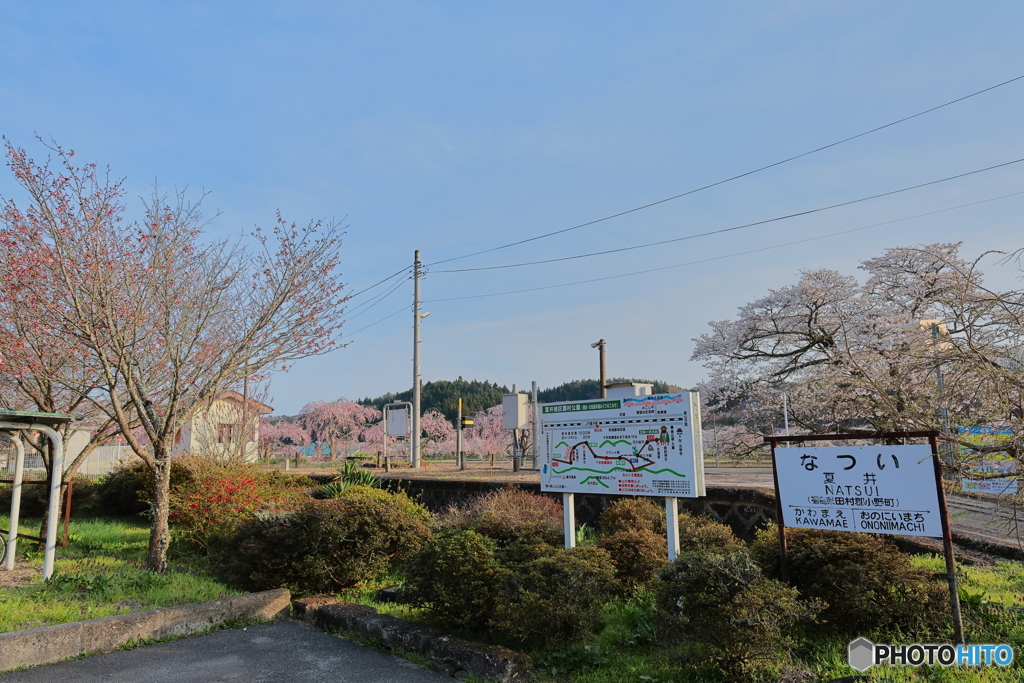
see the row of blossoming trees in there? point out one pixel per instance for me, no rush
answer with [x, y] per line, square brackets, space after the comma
[340, 425]
[865, 356]
[138, 323]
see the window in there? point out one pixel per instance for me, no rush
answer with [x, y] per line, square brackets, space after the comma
[227, 432]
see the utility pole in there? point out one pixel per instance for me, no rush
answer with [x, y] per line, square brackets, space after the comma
[599, 345]
[414, 443]
[458, 439]
[535, 419]
[515, 438]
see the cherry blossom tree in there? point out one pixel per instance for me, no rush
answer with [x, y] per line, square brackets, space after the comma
[164, 320]
[337, 423]
[486, 436]
[438, 434]
[866, 357]
[281, 436]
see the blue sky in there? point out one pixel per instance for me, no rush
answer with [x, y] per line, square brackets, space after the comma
[455, 127]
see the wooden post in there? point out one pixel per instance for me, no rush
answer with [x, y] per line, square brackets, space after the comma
[947, 547]
[780, 521]
[67, 514]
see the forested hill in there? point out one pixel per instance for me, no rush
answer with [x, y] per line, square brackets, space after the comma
[443, 395]
[585, 389]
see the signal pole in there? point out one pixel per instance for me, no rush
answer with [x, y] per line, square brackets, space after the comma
[414, 445]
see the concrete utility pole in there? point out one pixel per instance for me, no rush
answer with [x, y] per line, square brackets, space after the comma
[599, 345]
[414, 443]
[535, 419]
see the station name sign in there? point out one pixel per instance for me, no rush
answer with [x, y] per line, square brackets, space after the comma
[870, 489]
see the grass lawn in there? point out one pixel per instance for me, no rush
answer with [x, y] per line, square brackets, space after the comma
[102, 566]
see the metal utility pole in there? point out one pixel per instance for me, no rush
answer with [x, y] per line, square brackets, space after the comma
[414, 442]
[599, 345]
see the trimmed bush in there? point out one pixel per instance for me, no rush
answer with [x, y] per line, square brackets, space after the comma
[522, 591]
[716, 606]
[869, 585]
[325, 546]
[35, 497]
[633, 533]
[707, 534]
[638, 555]
[555, 598]
[454, 575]
[509, 515]
[632, 514]
[128, 490]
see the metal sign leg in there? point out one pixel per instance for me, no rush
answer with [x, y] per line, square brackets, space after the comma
[672, 521]
[569, 519]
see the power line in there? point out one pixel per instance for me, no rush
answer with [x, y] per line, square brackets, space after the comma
[728, 180]
[403, 308]
[375, 301]
[718, 258]
[404, 268]
[736, 227]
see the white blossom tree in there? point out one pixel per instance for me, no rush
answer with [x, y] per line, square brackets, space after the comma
[866, 357]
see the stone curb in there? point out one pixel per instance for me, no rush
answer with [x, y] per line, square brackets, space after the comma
[49, 644]
[486, 661]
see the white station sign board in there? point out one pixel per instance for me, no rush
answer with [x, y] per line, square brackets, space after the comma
[398, 421]
[636, 446]
[871, 489]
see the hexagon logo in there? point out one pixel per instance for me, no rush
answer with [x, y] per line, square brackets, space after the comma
[861, 654]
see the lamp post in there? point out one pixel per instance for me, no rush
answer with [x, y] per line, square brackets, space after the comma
[599, 345]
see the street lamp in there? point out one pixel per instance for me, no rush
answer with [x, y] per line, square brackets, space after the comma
[599, 344]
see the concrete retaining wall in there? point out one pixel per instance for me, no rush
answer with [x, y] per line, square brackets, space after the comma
[49, 644]
[458, 656]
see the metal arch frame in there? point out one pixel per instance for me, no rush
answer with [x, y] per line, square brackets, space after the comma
[57, 469]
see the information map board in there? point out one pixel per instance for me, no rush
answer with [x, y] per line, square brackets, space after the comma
[636, 446]
[871, 489]
[992, 472]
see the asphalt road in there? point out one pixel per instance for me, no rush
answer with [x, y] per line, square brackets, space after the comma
[287, 650]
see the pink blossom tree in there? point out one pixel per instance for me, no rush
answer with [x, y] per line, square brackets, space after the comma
[281, 436]
[486, 436]
[163, 320]
[337, 423]
[438, 433]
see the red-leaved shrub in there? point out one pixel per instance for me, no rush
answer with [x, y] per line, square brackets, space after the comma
[216, 498]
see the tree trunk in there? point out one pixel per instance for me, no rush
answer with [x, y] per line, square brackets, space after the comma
[159, 533]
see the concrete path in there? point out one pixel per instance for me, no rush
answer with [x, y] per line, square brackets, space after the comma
[288, 650]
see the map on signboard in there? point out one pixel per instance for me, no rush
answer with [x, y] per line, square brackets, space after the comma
[871, 489]
[987, 472]
[638, 446]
